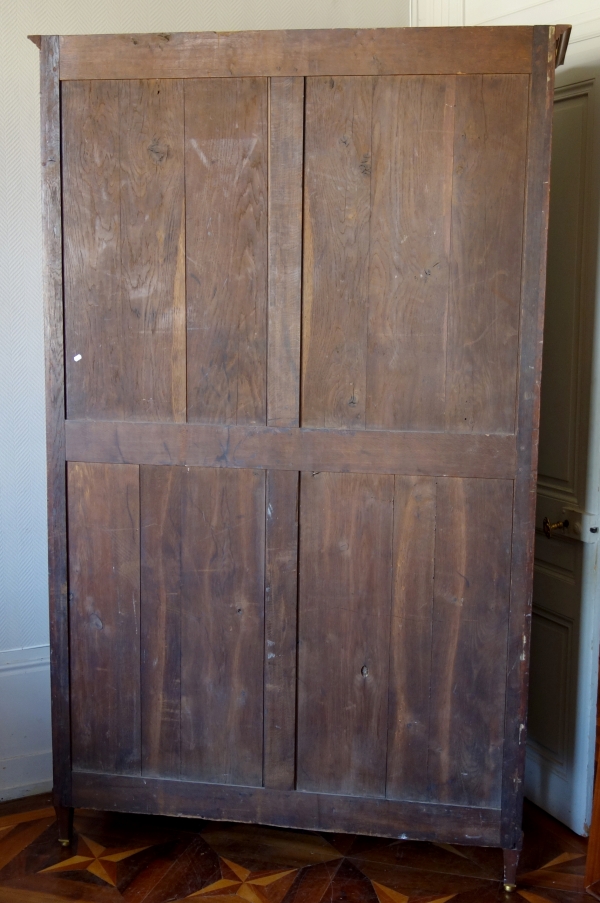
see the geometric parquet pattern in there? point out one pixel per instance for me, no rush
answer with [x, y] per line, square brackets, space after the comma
[151, 859]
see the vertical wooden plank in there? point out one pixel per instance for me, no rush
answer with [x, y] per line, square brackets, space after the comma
[281, 592]
[55, 415]
[413, 134]
[222, 628]
[485, 268]
[286, 134]
[124, 250]
[344, 619]
[94, 327]
[337, 203]
[160, 541]
[152, 248]
[410, 638]
[226, 214]
[539, 126]
[104, 584]
[470, 620]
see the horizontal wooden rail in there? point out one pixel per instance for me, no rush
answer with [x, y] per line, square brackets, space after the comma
[271, 448]
[329, 52]
[312, 811]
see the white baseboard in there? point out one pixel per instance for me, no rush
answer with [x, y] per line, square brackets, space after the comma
[25, 775]
[25, 735]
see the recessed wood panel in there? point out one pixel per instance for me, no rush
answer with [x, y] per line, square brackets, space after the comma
[488, 197]
[104, 616]
[470, 626]
[343, 623]
[226, 149]
[124, 248]
[337, 202]
[161, 591]
[222, 625]
[410, 638]
[413, 133]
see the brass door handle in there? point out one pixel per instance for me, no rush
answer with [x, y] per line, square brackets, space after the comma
[559, 525]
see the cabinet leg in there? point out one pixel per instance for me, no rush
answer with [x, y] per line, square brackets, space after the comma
[511, 861]
[64, 817]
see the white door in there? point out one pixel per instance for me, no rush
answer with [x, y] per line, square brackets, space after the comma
[564, 653]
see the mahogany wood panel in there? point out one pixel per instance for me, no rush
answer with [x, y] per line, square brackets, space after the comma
[312, 811]
[369, 451]
[222, 625]
[124, 249]
[409, 715]
[485, 262]
[413, 133]
[52, 286]
[286, 135]
[160, 646]
[337, 174]
[344, 51]
[104, 616]
[343, 632]
[281, 592]
[226, 249]
[528, 410]
[470, 623]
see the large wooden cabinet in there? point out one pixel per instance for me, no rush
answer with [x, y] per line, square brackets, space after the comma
[294, 292]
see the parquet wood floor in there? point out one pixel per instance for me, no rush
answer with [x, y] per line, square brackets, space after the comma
[155, 860]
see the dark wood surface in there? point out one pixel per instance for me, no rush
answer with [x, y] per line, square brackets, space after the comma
[52, 286]
[533, 285]
[370, 451]
[343, 51]
[286, 130]
[343, 637]
[104, 616]
[226, 249]
[302, 322]
[413, 120]
[222, 625]
[281, 592]
[313, 811]
[490, 133]
[160, 620]
[123, 209]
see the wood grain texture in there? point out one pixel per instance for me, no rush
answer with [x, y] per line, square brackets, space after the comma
[92, 250]
[222, 626]
[343, 632]
[410, 638]
[124, 250]
[344, 51]
[361, 451]
[227, 262]
[337, 206]
[160, 647]
[413, 135]
[470, 624]
[485, 265]
[153, 246]
[281, 596]
[286, 135]
[310, 811]
[528, 410]
[104, 616]
[52, 287]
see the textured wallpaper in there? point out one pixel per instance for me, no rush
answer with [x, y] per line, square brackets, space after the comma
[23, 583]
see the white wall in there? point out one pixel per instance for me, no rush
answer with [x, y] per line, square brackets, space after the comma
[25, 758]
